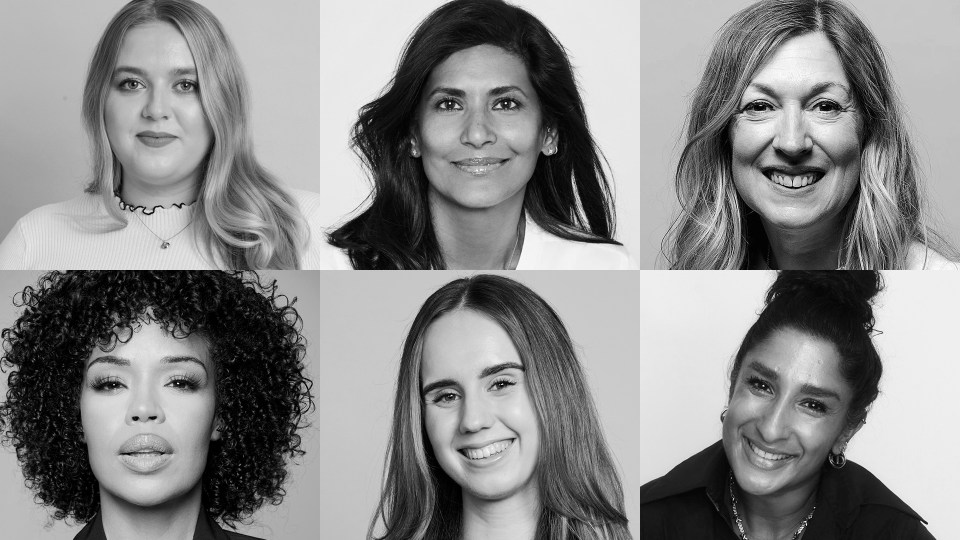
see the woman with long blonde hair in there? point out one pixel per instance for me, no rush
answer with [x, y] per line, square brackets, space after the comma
[796, 154]
[175, 180]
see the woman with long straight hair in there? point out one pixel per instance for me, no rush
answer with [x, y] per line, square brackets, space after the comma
[494, 428]
[175, 180]
[797, 155]
[480, 154]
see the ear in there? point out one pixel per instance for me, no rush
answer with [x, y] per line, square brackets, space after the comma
[414, 147]
[841, 443]
[551, 138]
[215, 434]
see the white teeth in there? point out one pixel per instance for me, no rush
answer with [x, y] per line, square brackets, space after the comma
[488, 450]
[793, 181]
[767, 455]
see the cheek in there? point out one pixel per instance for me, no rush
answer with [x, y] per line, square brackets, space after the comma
[748, 140]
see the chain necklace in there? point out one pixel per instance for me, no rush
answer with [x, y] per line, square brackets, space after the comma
[164, 242]
[743, 534]
[514, 259]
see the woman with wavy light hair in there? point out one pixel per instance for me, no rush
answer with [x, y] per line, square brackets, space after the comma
[494, 429]
[796, 154]
[175, 180]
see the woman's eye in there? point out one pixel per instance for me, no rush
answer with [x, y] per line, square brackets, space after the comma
[186, 86]
[506, 104]
[130, 85]
[445, 398]
[757, 108]
[827, 108]
[107, 385]
[815, 406]
[184, 384]
[501, 384]
[759, 385]
[447, 105]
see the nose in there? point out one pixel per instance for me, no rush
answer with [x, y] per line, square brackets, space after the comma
[775, 421]
[478, 130]
[475, 414]
[157, 105]
[793, 137]
[144, 407]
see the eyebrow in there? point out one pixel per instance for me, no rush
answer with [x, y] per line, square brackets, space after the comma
[817, 88]
[125, 362]
[486, 372]
[456, 92]
[178, 72]
[806, 388]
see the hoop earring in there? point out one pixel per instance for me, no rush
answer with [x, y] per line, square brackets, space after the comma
[837, 461]
[723, 415]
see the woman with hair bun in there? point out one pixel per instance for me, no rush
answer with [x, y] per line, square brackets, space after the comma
[154, 405]
[494, 430]
[797, 154]
[801, 385]
[480, 154]
[176, 184]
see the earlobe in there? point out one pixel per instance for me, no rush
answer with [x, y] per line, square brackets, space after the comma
[414, 147]
[215, 435]
[550, 141]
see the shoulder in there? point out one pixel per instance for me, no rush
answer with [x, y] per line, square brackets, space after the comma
[921, 257]
[864, 504]
[85, 205]
[545, 251]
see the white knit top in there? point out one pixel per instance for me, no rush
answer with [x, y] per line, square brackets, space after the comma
[80, 234]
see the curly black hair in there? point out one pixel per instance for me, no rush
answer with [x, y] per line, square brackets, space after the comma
[255, 341]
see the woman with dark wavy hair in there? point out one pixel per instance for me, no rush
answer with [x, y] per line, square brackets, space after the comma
[152, 405]
[797, 154]
[480, 154]
[802, 383]
[494, 429]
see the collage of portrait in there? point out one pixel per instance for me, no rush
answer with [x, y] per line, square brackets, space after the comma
[662, 270]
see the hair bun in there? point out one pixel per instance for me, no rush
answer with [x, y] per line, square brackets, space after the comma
[850, 291]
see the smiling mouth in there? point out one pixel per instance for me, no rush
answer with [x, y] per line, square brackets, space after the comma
[487, 451]
[769, 456]
[479, 166]
[793, 181]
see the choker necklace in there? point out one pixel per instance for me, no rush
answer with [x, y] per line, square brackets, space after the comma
[514, 259]
[164, 242]
[736, 516]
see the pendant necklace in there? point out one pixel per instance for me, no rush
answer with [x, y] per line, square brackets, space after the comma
[164, 242]
[736, 516]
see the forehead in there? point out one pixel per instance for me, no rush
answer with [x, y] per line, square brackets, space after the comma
[802, 62]
[151, 342]
[798, 358]
[155, 44]
[480, 68]
[460, 344]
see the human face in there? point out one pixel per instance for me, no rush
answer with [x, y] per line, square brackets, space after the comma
[153, 115]
[479, 129]
[477, 408]
[147, 409]
[796, 139]
[787, 412]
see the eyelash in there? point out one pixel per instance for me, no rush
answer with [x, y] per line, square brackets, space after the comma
[760, 385]
[507, 383]
[751, 108]
[111, 383]
[502, 104]
[447, 396]
[193, 86]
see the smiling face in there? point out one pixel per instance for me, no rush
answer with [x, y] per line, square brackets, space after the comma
[153, 115]
[147, 409]
[796, 140]
[786, 414]
[477, 408]
[479, 129]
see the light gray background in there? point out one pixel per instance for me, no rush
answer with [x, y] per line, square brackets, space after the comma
[692, 324]
[47, 47]
[921, 45]
[365, 317]
[360, 46]
[355, 323]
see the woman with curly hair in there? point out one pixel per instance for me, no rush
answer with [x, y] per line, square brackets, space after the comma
[797, 155]
[152, 405]
[494, 429]
[175, 183]
[480, 154]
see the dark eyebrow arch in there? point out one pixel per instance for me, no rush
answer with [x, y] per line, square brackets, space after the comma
[486, 372]
[125, 362]
[764, 371]
[817, 88]
[455, 92]
[179, 72]
[807, 389]
[500, 90]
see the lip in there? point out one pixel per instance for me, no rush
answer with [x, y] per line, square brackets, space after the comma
[500, 446]
[155, 139]
[793, 177]
[480, 166]
[145, 453]
[762, 456]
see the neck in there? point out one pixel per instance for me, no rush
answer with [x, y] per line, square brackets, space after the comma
[775, 517]
[476, 239]
[149, 195]
[812, 248]
[171, 520]
[513, 518]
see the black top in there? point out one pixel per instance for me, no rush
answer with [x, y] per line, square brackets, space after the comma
[692, 501]
[207, 529]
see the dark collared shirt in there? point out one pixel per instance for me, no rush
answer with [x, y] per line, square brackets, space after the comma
[692, 501]
[207, 529]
